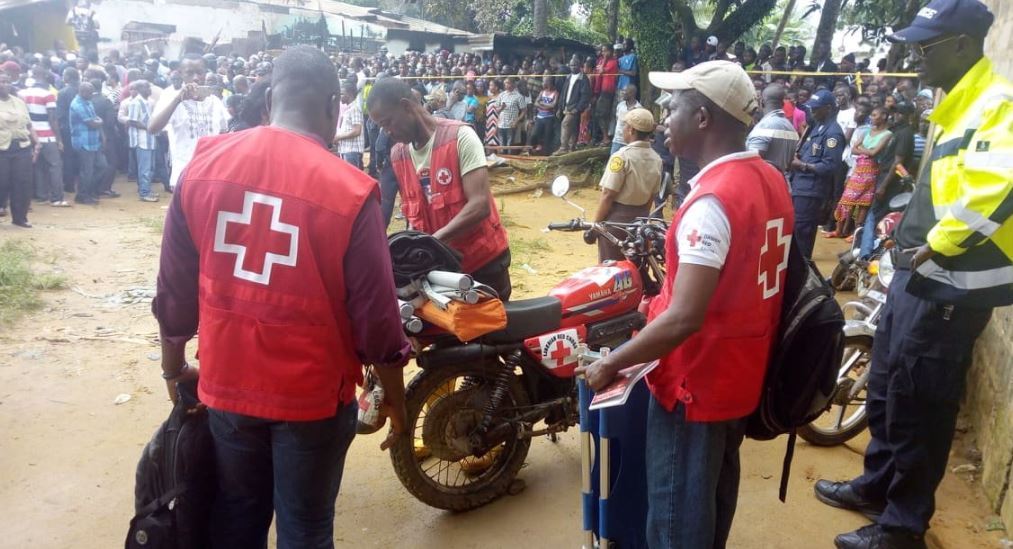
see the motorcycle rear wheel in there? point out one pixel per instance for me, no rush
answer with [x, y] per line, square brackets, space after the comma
[842, 427]
[841, 279]
[447, 483]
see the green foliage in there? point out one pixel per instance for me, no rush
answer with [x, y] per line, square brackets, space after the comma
[653, 35]
[795, 31]
[19, 285]
[876, 17]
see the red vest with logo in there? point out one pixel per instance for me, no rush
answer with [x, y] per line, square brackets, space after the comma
[717, 373]
[482, 243]
[270, 212]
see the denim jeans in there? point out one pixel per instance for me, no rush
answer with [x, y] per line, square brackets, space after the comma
[354, 159]
[145, 168]
[290, 468]
[161, 163]
[692, 479]
[93, 168]
[615, 148]
[49, 173]
[506, 138]
[868, 236]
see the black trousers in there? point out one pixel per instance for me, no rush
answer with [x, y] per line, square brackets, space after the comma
[16, 181]
[920, 359]
[496, 275]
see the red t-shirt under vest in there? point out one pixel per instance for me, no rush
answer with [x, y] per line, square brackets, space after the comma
[482, 243]
[270, 212]
[717, 373]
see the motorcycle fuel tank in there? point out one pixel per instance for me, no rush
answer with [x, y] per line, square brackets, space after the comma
[598, 293]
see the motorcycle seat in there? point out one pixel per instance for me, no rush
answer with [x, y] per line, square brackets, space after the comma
[528, 318]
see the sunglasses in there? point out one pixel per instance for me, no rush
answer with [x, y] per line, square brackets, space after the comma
[921, 50]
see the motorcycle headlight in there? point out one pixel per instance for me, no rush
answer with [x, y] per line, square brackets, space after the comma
[886, 270]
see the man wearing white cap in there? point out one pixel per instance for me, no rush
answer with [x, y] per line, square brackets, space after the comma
[714, 323]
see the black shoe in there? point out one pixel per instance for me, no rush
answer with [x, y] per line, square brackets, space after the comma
[111, 194]
[875, 536]
[843, 496]
[24, 224]
[86, 200]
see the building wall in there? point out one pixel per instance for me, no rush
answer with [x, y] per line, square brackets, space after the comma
[204, 19]
[989, 400]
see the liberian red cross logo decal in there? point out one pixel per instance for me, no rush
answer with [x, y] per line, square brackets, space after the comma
[773, 257]
[257, 237]
[560, 353]
[693, 238]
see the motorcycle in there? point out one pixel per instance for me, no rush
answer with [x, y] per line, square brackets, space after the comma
[852, 270]
[847, 417]
[474, 407]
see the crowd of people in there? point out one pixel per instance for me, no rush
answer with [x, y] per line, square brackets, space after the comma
[95, 117]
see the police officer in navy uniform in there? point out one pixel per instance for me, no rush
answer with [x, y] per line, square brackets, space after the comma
[814, 168]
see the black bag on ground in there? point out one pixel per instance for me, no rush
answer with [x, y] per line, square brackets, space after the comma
[175, 481]
[414, 254]
[803, 369]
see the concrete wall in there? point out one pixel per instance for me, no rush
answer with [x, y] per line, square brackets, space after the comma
[989, 400]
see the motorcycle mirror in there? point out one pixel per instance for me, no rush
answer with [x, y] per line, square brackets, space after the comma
[900, 201]
[560, 186]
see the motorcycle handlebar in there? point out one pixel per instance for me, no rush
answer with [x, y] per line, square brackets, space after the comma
[573, 225]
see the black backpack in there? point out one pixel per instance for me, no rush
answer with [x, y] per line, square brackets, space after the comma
[803, 369]
[175, 481]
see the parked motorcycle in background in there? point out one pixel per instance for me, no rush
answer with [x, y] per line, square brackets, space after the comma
[846, 417]
[474, 406]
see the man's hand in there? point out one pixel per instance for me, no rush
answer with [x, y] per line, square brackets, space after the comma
[192, 373]
[922, 254]
[599, 374]
[398, 415]
[880, 194]
[796, 164]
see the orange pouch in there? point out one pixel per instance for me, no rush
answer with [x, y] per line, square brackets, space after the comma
[465, 321]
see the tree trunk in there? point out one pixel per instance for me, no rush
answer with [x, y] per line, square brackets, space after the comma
[828, 23]
[898, 52]
[745, 17]
[652, 32]
[612, 13]
[541, 15]
[784, 21]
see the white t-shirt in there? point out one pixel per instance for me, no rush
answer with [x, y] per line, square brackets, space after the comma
[704, 234]
[846, 120]
[189, 122]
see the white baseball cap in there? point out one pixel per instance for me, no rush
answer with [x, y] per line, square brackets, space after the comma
[723, 82]
[712, 41]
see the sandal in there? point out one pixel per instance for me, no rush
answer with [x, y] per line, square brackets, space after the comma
[60, 204]
[831, 234]
[850, 239]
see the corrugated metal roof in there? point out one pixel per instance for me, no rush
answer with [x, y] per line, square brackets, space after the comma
[374, 16]
[11, 4]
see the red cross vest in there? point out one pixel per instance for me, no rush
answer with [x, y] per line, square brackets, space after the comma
[270, 212]
[717, 373]
[482, 243]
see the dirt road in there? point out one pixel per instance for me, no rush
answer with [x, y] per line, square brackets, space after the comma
[68, 453]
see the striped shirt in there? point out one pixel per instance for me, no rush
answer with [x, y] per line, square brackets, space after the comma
[139, 110]
[349, 118]
[39, 101]
[775, 138]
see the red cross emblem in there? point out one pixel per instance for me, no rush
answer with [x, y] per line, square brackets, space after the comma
[443, 176]
[257, 237]
[560, 353]
[773, 257]
[693, 238]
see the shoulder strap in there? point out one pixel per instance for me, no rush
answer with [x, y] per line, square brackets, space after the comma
[789, 453]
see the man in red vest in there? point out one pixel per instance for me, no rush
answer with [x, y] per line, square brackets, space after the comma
[441, 173]
[278, 247]
[714, 323]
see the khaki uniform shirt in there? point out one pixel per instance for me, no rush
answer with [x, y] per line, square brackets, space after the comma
[14, 122]
[634, 172]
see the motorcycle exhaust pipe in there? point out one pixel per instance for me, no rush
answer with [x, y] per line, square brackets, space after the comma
[456, 281]
[406, 309]
[471, 352]
[413, 325]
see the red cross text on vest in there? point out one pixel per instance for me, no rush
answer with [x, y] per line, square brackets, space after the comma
[693, 238]
[773, 258]
[257, 237]
[560, 353]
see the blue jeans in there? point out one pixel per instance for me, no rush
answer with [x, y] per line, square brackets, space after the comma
[290, 468]
[145, 167]
[93, 168]
[354, 159]
[692, 479]
[161, 164]
[615, 148]
[868, 236]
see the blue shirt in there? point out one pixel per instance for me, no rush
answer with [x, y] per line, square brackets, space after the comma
[81, 136]
[627, 62]
[822, 150]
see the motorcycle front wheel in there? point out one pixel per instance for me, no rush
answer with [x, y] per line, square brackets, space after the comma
[841, 278]
[445, 406]
[847, 416]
